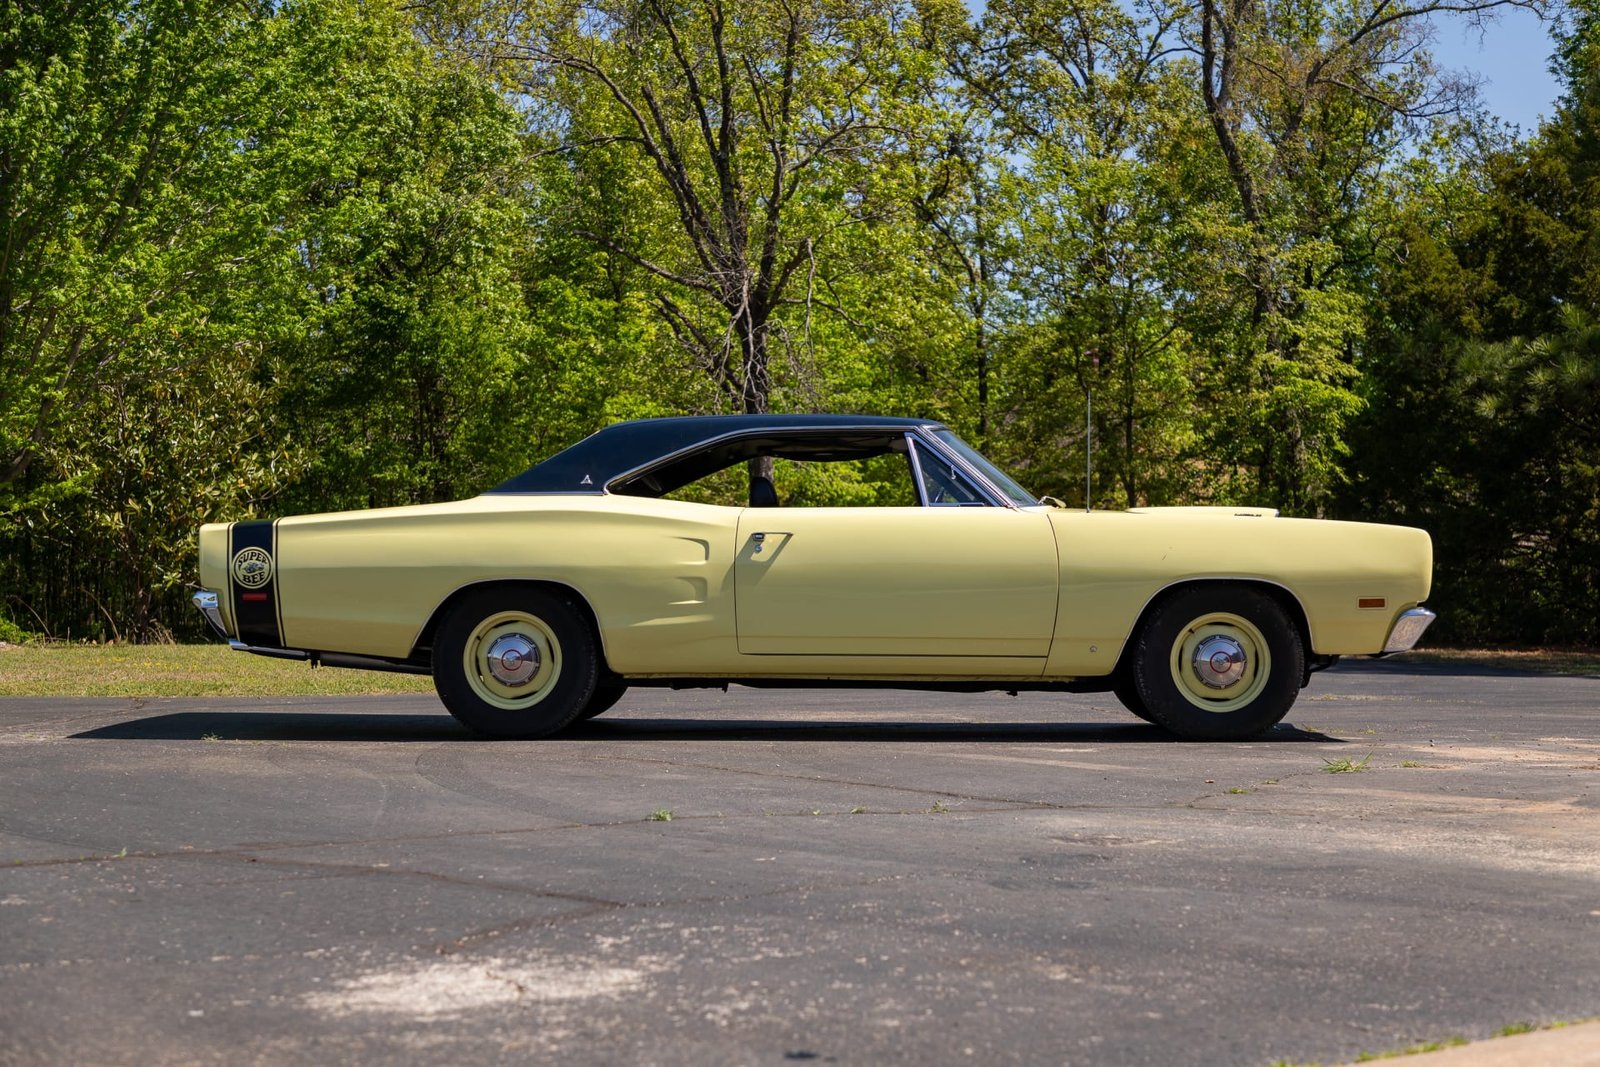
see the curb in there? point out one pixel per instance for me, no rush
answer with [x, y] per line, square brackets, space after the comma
[1577, 1045]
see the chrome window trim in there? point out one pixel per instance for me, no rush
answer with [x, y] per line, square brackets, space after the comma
[916, 470]
[733, 435]
[982, 484]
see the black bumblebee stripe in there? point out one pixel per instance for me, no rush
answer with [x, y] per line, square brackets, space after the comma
[255, 606]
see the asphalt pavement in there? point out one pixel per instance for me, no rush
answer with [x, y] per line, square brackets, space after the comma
[770, 877]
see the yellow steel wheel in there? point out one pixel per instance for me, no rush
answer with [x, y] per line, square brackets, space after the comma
[1220, 662]
[512, 660]
[1217, 661]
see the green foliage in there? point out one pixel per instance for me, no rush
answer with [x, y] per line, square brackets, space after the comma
[264, 258]
[1484, 380]
[134, 302]
[222, 216]
[11, 633]
[410, 371]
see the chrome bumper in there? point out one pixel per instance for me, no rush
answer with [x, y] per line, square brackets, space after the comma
[205, 601]
[1407, 630]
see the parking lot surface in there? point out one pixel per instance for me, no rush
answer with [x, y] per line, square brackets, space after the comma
[770, 877]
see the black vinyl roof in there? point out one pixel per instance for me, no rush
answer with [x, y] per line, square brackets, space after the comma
[589, 465]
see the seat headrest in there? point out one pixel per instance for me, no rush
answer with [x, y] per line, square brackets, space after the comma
[762, 493]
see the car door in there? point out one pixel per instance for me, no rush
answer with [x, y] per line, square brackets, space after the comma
[934, 582]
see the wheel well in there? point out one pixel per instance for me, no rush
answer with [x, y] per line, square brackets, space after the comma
[422, 649]
[1284, 598]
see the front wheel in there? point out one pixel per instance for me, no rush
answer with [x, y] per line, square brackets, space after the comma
[514, 662]
[1126, 690]
[1218, 662]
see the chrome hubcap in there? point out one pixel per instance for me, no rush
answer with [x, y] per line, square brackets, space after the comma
[513, 659]
[1219, 661]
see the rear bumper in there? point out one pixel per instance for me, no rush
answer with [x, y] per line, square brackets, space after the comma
[205, 602]
[1407, 630]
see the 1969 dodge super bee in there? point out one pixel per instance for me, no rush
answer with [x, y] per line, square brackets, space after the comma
[540, 602]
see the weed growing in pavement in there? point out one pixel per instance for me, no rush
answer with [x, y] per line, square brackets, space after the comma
[211, 737]
[1513, 1029]
[1238, 790]
[660, 815]
[938, 808]
[1346, 765]
[1412, 1050]
[857, 810]
[1411, 763]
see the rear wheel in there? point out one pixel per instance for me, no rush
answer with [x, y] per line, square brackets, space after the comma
[1218, 662]
[606, 695]
[512, 662]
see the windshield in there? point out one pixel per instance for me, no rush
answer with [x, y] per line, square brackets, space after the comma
[1001, 481]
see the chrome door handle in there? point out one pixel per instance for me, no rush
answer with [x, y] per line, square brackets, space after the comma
[761, 539]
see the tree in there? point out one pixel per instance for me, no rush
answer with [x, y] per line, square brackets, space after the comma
[1085, 95]
[407, 376]
[1306, 103]
[216, 215]
[1483, 367]
[110, 187]
[756, 125]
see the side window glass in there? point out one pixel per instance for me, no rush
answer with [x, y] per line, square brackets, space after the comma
[943, 485]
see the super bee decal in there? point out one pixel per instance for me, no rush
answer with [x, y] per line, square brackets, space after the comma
[254, 588]
[252, 568]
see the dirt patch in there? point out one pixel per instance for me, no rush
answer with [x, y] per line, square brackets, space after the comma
[450, 989]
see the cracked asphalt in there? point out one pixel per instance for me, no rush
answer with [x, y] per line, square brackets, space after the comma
[853, 877]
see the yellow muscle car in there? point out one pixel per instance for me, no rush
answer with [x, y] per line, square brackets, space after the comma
[540, 602]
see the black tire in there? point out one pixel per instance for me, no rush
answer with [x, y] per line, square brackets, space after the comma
[1127, 692]
[1218, 662]
[606, 695]
[494, 628]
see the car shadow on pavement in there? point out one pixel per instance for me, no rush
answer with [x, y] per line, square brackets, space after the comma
[1410, 668]
[621, 728]
[334, 726]
[280, 726]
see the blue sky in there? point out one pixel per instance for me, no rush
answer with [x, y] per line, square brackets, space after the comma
[1512, 57]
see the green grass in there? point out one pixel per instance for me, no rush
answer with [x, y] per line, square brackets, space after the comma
[660, 815]
[1545, 661]
[1412, 1050]
[66, 670]
[1510, 1030]
[1346, 765]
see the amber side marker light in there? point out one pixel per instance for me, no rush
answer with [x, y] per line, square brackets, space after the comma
[1372, 602]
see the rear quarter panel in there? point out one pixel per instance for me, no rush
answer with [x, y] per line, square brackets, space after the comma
[658, 573]
[1114, 563]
